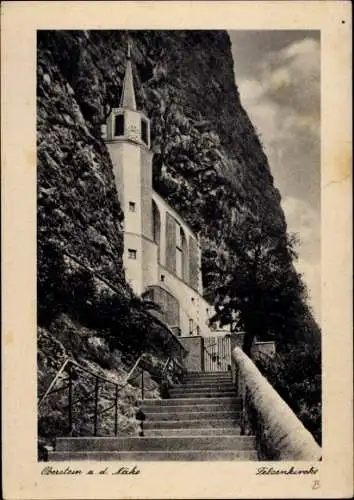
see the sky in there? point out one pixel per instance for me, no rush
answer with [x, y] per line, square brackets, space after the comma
[278, 77]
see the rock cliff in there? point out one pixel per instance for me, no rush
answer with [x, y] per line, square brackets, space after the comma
[208, 160]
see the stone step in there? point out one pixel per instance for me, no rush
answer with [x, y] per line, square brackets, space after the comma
[202, 388]
[227, 378]
[208, 374]
[218, 376]
[195, 455]
[202, 394]
[195, 432]
[209, 385]
[176, 443]
[193, 415]
[192, 424]
[196, 407]
[227, 401]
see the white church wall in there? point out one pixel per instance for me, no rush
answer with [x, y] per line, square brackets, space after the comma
[188, 235]
[133, 264]
[150, 263]
[116, 154]
[145, 192]
[132, 189]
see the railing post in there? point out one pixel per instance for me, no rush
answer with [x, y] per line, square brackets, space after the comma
[237, 381]
[116, 412]
[142, 383]
[70, 399]
[96, 407]
[140, 415]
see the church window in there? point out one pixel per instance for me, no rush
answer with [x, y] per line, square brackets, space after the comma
[190, 327]
[179, 252]
[162, 277]
[198, 330]
[179, 237]
[131, 253]
[144, 131]
[156, 222]
[179, 262]
[119, 126]
[132, 206]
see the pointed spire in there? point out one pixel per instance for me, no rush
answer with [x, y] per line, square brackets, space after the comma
[127, 99]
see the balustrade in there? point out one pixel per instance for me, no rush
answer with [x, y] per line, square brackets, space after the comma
[280, 435]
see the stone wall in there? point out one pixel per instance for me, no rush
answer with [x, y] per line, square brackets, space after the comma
[192, 304]
[168, 303]
[279, 433]
[261, 349]
[194, 359]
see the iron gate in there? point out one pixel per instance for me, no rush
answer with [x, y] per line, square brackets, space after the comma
[217, 354]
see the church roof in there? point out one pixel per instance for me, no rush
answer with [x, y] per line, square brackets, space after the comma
[127, 99]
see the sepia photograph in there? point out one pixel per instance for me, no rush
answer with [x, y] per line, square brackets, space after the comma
[177, 220]
[178, 237]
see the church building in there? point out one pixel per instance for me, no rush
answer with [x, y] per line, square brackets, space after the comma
[162, 255]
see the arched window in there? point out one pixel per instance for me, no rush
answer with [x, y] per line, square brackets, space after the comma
[181, 254]
[193, 263]
[119, 125]
[156, 226]
[184, 256]
[144, 131]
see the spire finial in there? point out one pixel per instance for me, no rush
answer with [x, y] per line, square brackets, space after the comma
[128, 95]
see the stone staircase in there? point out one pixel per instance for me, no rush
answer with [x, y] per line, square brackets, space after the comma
[199, 422]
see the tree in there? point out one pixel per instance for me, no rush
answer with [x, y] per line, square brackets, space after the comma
[262, 293]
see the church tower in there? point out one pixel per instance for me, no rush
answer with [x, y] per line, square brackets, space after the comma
[127, 137]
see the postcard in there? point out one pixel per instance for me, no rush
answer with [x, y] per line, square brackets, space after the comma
[176, 181]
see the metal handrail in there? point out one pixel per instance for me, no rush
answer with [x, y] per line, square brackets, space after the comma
[104, 379]
[60, 371]
[166, 365]
[68, 363]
